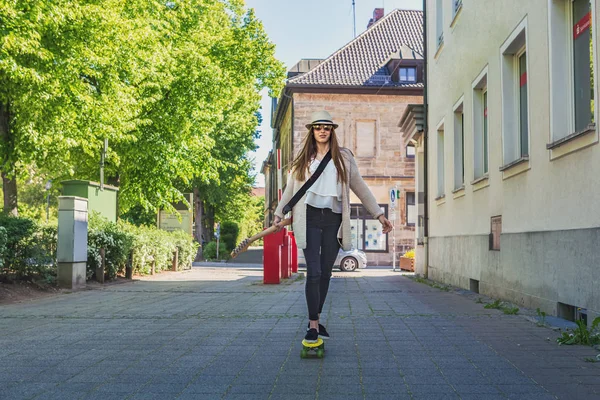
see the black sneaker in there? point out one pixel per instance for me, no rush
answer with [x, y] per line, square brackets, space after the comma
[322, 331]
[311, 336]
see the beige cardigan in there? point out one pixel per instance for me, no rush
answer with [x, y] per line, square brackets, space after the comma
[358, 186]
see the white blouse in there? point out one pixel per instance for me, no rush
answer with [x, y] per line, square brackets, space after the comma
[326, 192]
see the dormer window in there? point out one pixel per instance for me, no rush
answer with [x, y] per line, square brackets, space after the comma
[408, 74]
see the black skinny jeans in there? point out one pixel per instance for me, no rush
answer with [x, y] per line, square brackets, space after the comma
[322, 247]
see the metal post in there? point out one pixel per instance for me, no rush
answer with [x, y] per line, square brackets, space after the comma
[48, 186]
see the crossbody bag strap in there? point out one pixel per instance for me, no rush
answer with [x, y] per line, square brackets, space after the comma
[288, 207]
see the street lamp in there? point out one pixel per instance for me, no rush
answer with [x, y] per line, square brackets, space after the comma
[48, 186]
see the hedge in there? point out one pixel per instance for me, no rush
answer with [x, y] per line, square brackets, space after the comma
[144, 244]
[28, 249]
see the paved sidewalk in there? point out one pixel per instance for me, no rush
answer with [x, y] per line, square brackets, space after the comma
[219, 333]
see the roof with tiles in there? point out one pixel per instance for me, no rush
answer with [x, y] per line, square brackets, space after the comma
[362, 62]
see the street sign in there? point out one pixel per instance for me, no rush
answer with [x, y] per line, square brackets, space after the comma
[393, 198]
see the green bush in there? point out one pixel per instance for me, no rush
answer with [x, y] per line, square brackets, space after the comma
[210, 251]
[116, 242]
[29, 249]
[229, 234]
[153, 245]
[3, 241]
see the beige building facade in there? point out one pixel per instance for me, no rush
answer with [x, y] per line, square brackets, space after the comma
[513, 151]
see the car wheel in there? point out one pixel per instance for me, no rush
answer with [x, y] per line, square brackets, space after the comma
[349, 264]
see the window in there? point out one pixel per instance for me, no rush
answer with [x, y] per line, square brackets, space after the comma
[439, 22]
[411, 211]
[515, 97]
[410, 150]
[459, 140]
[572, 69]
[583, 65]
[366, 139]
[480, 126]
[456, 6]
[408, 74]
[523, 104]
[440, 161]
[366, 231]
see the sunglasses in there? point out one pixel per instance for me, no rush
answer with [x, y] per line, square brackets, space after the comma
[326, 128]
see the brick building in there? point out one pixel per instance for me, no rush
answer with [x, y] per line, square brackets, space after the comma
[366, 86]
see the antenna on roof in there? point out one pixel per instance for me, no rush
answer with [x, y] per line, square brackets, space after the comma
[354, 14]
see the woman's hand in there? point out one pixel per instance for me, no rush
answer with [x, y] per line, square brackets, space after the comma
[277, 223]
[386, 224]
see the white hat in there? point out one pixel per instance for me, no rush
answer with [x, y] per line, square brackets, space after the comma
[321, 117]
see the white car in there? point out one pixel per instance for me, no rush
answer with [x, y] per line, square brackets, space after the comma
[346, 260]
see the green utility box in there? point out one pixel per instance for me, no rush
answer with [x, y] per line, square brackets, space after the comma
[103, 201]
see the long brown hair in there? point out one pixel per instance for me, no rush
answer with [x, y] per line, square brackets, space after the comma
[309, 151]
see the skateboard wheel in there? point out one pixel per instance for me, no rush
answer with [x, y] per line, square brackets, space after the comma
[303, 353]
[320, 353]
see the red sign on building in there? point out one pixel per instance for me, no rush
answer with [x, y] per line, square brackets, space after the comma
[583, 25]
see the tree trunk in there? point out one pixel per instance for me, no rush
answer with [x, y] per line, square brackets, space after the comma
[199, 221]
[210, 223]
[9, 179]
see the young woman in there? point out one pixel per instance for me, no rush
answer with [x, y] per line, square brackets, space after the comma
[321, 219]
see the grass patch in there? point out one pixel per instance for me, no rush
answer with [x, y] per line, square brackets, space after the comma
[432, 284]
[500, 305]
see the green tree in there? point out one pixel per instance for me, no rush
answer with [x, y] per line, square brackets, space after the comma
[71, 74]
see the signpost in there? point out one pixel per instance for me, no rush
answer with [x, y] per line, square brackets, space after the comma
[182, 219]
[393, 199]
[218, 236]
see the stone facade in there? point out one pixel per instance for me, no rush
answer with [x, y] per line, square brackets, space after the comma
[389, 164]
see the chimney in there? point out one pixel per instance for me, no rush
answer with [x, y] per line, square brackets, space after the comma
[377, 15]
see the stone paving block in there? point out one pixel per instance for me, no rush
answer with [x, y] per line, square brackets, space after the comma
[25, 390]
[247, 396]
[545, 396]
[429, 389]
[387, 387]
[475, 389]
[520, 389]
[436, 396]
[345, 387]
[195, 396]
[250, 389]
[106, 396]
[303, 387]
[482, 396]
[152, 396]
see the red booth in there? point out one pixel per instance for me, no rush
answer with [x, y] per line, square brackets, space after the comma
[272, 257]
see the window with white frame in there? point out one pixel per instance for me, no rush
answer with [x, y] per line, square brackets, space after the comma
[410, 150]
[366, 232]
[440, 161]
[515, 96]
[411, 210]
[459, 140]
[480, 126]
[408, 74]
[456, 6]
[572, 66]
[439, 22]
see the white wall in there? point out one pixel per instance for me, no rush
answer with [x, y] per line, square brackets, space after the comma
[550, 194]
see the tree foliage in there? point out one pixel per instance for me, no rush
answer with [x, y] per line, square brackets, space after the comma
[174, 87]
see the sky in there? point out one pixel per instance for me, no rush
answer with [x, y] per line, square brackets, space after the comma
[310, 29]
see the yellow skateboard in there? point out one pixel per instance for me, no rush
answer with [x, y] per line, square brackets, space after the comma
[310, 349]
